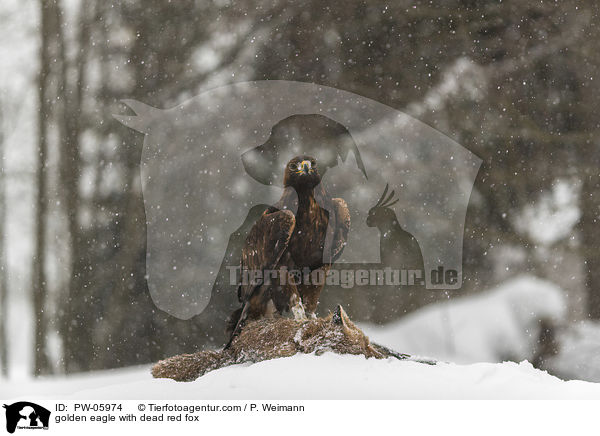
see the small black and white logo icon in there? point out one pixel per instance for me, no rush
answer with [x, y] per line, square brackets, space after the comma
[26, 415]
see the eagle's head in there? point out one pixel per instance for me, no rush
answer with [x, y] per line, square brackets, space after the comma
[301, 173]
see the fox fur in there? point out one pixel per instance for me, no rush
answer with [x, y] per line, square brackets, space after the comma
[271, 338]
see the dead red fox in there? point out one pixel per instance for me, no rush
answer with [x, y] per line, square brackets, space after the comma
[277, 337]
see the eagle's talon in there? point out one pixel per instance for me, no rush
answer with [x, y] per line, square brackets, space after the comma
[298, 312]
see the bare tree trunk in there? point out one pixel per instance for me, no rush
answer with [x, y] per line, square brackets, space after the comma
[3, 267]
[75, 323]
[41, 364]
[590, 230]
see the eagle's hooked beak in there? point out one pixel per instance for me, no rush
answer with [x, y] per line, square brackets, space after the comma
[306, 167]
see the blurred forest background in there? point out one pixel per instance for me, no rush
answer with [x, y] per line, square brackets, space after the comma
[516, 82]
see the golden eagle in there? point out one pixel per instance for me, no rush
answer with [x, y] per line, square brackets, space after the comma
[281, 242]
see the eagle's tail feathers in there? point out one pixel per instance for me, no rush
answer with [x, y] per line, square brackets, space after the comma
[233, 320]
[236, 321]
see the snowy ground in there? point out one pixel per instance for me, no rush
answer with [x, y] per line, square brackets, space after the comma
[329, 376]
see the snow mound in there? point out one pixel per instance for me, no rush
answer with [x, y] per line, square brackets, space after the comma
[496, 325]
[307, 376]
[579, 352]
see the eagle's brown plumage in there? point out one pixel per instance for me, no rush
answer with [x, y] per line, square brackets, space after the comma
[281, 240]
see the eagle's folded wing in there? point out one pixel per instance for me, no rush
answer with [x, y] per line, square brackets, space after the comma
[266, 242]
[342, 221]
